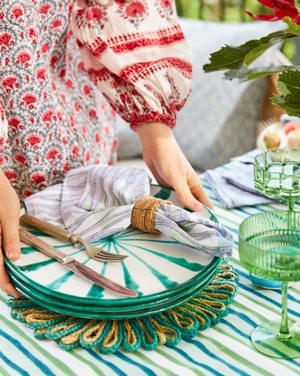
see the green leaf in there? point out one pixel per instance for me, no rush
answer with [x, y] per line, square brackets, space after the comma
[256, 53]
[293, 28]
[289, 85]
[245, 74]
[297, 5]
[229, 57]
[292, 109]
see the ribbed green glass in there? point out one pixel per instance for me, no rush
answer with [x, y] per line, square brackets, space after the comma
[269, 245]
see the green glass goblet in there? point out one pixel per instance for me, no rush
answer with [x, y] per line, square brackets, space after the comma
[277, 174]
[269, 247]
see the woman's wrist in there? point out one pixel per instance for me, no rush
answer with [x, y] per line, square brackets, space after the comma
[152, 134]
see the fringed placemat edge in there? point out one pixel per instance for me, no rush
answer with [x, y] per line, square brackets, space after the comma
[164, 328]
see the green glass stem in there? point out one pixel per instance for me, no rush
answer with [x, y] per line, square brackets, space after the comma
[291, 207]
[284, 332]
[291, 204]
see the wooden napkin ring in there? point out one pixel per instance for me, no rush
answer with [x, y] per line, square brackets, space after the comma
[143, 213]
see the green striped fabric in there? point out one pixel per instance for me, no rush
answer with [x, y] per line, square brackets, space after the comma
[224, 349]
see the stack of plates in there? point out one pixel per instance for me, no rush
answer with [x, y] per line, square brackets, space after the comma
[163, 272]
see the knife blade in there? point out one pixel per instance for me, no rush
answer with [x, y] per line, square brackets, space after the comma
[73, 265]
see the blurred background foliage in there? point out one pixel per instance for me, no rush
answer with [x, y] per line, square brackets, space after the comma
[229, 11]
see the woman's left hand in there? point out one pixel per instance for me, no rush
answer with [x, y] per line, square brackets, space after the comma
[170, 167]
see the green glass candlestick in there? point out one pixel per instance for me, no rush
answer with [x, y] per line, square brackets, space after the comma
[269, 245]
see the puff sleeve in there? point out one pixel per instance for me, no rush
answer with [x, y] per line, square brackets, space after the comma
[136, 54]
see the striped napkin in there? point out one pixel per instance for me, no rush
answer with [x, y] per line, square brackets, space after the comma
[97, 201]
[235, 188]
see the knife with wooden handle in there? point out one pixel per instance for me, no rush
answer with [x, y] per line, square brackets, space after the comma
[73, 265]
[47, 228]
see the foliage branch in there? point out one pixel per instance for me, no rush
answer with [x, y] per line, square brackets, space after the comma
[236, 60]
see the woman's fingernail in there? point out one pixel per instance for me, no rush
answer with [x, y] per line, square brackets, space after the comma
[197, 204]
[13, 254]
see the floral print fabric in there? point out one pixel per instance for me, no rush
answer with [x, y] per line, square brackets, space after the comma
[143, 66]
[55, 55]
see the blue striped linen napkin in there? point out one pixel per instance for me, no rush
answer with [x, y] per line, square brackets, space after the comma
[235, 188]
[97, 201]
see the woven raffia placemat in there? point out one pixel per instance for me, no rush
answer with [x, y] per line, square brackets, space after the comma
[166, 328]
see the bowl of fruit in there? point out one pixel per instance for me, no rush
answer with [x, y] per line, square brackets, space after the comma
[279, 135]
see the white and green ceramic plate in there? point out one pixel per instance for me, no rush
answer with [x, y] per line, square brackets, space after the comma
[96, 312]
[157, 266]
[113, 308]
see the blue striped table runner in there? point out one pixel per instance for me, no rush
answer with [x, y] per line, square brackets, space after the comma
[224, 349]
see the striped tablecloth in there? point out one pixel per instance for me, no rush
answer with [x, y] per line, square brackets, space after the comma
[224, 349]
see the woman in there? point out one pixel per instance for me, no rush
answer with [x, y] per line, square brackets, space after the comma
[57, 57]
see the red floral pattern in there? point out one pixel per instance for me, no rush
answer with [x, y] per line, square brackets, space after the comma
[135, 41]
[164, 8]
[145, 81]
[94, 17]
[41, 74]
[141, 70]
[50, 106]
[135, 11]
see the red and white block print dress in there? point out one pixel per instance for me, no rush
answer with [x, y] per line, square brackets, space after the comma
[57, 57]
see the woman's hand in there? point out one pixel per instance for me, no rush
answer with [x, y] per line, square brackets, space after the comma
[169, 166]
[9, 230]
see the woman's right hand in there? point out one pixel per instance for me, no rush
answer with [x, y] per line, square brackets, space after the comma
[9, 230]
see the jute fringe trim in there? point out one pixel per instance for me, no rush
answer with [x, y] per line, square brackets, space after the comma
[165, 328]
